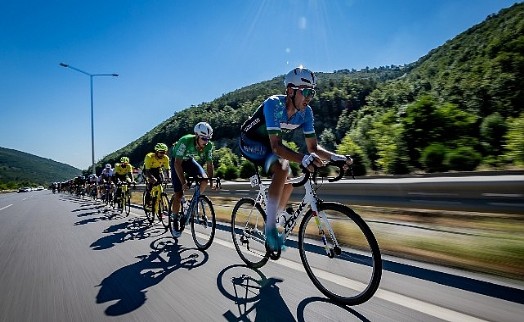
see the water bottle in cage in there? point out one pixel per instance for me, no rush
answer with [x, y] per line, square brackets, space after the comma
[284, 216]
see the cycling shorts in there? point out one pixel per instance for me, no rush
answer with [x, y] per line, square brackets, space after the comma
[189, 166]
[259, 153]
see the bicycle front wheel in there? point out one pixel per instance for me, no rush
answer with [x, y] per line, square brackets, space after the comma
[203, 223]
[147, 208]
[127, 203]
[163, 210]
[248, 222]
[340, 254]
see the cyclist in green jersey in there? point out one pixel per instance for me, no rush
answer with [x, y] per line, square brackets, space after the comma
[183, 160]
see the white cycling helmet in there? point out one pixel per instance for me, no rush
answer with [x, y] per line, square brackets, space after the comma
[300, 77]
[204, 129]
[108, 166]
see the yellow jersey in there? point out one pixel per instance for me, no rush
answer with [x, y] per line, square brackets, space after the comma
[122, 170]
[152, 162]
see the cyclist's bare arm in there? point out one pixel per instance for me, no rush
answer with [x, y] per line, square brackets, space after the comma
[283, 151]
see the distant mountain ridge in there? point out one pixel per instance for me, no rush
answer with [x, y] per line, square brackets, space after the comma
[21, 168]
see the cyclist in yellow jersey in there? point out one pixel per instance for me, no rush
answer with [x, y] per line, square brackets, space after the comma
[154, 164]
[122, 172]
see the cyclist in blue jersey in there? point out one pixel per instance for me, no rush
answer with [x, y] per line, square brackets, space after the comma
[261, 142]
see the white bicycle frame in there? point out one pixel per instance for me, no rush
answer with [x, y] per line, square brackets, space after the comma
[309, 200]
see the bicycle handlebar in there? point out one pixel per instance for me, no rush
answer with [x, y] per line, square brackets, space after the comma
[307, 174]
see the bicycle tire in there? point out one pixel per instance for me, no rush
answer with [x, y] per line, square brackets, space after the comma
[203, 223]
[149, 213]
[356, 267]
[127, 203]
[163, 210]
[120, 204]
[247, 230]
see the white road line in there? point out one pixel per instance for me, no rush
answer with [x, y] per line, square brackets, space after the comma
[506, 195]
[436, 202]
[402, 300]
[432, 193]
[5, 207]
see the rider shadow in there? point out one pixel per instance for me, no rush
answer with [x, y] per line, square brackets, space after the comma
[257, 298]
[126, 288]
[128, 230]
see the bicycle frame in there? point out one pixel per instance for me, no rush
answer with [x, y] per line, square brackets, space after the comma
[310, 200]
[156, 192]
[192, 204]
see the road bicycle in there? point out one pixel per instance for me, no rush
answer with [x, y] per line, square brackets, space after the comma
[107, 194]
[337, 248]
[159, 206]
[199, 212]
[123, 197]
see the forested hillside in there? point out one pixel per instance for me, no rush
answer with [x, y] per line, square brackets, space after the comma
[23, 169]
[460, 107]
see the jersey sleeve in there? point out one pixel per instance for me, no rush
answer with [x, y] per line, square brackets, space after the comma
[181, 147]
[147, 162]
[273, 111]
[309, 127]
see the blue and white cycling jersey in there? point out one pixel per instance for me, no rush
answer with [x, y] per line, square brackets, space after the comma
[271, 118]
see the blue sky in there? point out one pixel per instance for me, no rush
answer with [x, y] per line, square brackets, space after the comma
[171, 54]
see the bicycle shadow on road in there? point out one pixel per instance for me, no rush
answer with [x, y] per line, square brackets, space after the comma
[302, 307]
[257, 298]
[127, 230]
[128, 285]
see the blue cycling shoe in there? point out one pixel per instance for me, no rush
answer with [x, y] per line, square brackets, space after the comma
[274, 240]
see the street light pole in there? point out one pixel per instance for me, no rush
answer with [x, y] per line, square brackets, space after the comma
[92, 113]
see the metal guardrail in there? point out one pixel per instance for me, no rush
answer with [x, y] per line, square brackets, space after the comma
[487, 194]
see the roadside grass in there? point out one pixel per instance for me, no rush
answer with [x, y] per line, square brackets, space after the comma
[480, 242]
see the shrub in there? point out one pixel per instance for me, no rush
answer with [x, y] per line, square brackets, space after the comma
[433, 157]
[463, 159]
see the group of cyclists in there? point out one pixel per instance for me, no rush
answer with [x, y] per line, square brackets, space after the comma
[260, 142]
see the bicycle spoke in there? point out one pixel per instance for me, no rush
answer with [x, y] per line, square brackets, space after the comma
[163, 210]
[247, 229]
[340, 254]
[203, 223]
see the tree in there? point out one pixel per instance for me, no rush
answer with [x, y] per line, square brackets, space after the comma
[492, 134]
[328, 140]
[515, 141]
[349, 147]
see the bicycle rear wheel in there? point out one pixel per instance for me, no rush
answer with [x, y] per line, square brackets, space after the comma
[147, 209]
[248, 222]
[203, 223]
[350, 273]
[163, 210]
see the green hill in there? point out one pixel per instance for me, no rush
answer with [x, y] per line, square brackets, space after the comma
[24, 169]
[460, 107]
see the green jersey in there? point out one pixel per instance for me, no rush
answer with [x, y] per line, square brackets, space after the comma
[186, 148]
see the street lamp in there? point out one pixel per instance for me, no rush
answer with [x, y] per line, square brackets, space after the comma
[92, 119]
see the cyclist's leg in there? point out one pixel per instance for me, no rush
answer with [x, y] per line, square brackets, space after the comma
[275, 193]
[177, 188]
[261, 154]
[194, 169]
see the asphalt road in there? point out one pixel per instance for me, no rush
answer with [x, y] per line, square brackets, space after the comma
[62, 260]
